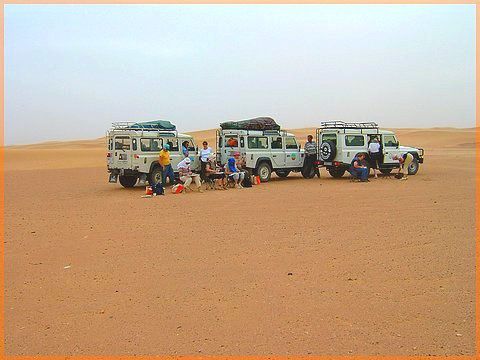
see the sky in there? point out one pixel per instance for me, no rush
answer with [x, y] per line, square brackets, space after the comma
[72, 70]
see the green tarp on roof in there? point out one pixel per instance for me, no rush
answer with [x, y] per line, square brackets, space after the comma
[157, 124]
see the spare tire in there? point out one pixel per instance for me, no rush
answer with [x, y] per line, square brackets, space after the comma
[328, 150]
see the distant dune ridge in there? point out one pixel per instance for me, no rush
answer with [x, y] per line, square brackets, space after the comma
[91, 153]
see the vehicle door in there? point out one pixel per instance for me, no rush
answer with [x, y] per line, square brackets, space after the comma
[122, 153]
[293, 157]
[390, 148]
[277, 152]
[354, 144]
[230, 144]
[150, 149]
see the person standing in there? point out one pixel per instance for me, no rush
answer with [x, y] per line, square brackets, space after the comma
[404, 160]
[310, 154]
[374, 150]
[165, 163]
[185, 146]
[205, 153]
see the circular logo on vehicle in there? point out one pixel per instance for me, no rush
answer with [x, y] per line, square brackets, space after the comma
[294, 156]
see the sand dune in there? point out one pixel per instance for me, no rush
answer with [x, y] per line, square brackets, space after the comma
[92, 153]
[292, 267]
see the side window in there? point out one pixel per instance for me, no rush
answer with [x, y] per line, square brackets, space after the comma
[134, 144]
[354, 140]
[191, 145]
[110, 144]
[157, 144]
[122, 143]
[389, 140]
[173, 142]
[242, 141]
[151, 144]
[276, 142]
[257, 142]
[232, 141]
[291, 143]
[220, 142]
[330, 137]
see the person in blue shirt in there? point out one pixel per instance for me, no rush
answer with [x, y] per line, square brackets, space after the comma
[359, 168]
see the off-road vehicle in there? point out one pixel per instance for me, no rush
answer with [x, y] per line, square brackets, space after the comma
[265, 150]
[133, 150]
[338, 142]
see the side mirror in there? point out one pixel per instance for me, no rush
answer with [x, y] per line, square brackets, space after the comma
[196, 148]
[299, 147]
[397, 144]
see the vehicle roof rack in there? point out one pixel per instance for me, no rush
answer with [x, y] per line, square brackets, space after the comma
[129, 125]
[346, 125]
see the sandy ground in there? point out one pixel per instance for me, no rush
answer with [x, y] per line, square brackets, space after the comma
[295, 266]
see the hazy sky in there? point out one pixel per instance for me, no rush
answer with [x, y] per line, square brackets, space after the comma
[71, 70]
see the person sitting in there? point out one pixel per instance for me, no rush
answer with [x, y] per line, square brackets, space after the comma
[359, 168]
[232, 171]
[187, 176]
[215, 175]
[242, 166]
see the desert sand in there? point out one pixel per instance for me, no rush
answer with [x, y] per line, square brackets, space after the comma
[290, 267]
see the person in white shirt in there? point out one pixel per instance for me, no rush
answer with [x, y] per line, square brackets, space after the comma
[374, 150]
[204, 153]
[187, 176]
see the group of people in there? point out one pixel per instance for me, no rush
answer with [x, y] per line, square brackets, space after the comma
[235, 171]
[360, 170]
[211, 173]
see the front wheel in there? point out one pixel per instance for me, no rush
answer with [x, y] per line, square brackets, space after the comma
[282, 174]
[413, 167]
[336, 173]
[128, 181]
[264, 171]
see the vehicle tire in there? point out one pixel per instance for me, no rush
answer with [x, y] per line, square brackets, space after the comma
[328, 150]
[282, 173]
[413, 167]
[127, 181]
[386, 171]
[264, 171]
[336, 173]
[155, 176]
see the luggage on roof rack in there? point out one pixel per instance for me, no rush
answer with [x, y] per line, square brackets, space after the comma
[345, 125]
[154, 125]
[260, 123]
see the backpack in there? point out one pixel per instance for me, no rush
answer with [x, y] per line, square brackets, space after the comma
[158, 189]
[247, 182]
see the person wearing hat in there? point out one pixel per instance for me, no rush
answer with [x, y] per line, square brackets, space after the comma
[164, 161]
[404, 160]
[187, 176]
[232, 171]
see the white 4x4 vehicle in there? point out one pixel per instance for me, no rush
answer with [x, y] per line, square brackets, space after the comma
[339, 142]
[133, 150]
[264, 151]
